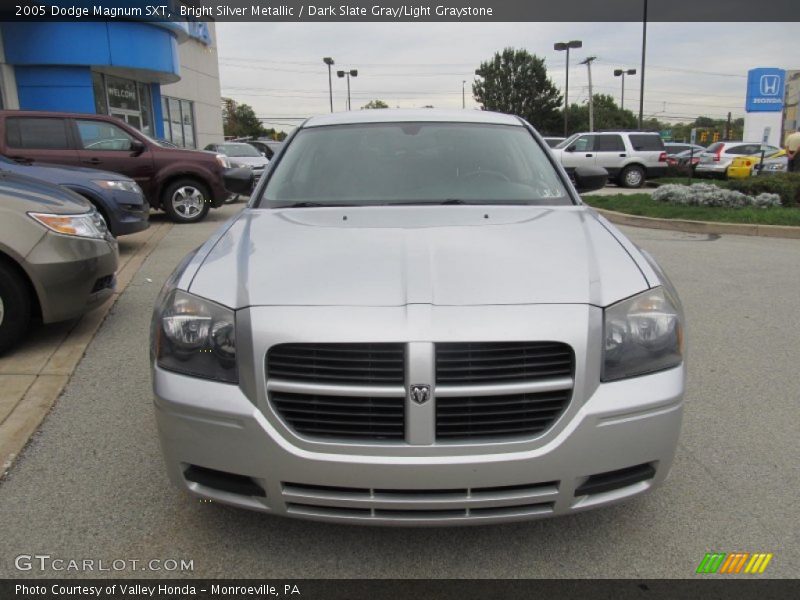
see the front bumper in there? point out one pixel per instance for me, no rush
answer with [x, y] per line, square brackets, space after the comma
[72, 275]
[205, 425]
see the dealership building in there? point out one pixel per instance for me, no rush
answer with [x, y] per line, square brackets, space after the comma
[162, 78]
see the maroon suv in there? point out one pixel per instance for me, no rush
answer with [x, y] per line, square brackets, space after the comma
[184, 183]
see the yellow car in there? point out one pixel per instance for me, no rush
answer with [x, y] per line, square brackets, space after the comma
[743, 167]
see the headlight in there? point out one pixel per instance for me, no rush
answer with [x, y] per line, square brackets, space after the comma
[223, 160]
[642, 334]
[122, 185]
[90, 225]
[196, 337]
[775, 167]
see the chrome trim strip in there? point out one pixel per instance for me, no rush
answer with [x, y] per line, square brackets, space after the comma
[324, 389]
[504, 389]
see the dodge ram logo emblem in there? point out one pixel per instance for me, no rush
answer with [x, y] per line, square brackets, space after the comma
[420, 393]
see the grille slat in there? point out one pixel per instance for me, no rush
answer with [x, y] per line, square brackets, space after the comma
[351, 364]
[342, 416]
[478, 417]
[474, 363]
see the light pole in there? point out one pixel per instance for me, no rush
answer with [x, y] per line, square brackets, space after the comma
[644, 53]
[559, 46]
[463, 95]
[622, 73]
[348, 74]
[329, 61]
[588, 62]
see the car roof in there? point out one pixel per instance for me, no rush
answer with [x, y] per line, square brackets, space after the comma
[395, 115]
[62, 115]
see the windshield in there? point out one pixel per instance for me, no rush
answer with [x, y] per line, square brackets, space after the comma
[414, 163]
[238, 150]
[568, 141]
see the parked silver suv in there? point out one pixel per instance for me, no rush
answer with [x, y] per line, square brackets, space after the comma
[416, 321]
[630, 157]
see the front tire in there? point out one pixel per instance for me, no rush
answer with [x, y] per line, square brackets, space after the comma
[632, 176]
[15, 307]
[186, 201]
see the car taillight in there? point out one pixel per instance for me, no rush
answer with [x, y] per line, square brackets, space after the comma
[717, 154]
[747, 163]
[662, 157]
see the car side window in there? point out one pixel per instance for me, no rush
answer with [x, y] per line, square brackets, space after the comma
[647, 142]
[582, 144]
[99, 135]
[37, 133]
[609, 143]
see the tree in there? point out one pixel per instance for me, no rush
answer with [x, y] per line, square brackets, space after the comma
[607, 115]
[240, 120]
[375, 104]
[515, 82]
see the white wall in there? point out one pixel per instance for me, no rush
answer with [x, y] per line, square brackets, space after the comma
[200, 84]
[755, 122]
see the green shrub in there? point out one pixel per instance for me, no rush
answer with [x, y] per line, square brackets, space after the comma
[786, 185]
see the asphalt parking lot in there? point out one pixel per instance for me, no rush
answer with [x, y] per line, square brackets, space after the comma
[91, 483]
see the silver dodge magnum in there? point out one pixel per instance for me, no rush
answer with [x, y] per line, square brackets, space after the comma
[416, 321]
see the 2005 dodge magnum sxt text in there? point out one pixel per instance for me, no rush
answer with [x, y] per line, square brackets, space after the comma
[416, 321]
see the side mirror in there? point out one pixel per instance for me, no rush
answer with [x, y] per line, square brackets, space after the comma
[264, 154]
[137, 147]
[238, 181]
[569, 149]
[589, 179]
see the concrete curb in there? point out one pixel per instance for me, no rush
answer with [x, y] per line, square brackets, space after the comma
[776, 231]
[44, 385]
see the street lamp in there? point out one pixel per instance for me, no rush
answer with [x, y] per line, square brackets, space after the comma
[622, 73]
[329, 61]
[559, 46]
[348, 74]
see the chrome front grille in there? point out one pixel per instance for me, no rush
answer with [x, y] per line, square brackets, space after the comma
[478, 391]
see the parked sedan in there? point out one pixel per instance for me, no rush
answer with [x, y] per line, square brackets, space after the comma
[241, 154]
[117, 198]
[57, 259]
[743, 167]
[719, 156]
[416, 321]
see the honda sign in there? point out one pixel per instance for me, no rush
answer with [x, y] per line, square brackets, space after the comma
[765, 90]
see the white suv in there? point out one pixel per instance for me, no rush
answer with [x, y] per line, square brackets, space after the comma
[629, 157]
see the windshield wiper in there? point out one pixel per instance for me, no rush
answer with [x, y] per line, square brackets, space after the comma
[449, 201]
[311, 205]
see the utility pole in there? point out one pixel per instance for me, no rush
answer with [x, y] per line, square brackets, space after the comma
[644, 54]
[588, 62]
[728, 127]
[463, 94]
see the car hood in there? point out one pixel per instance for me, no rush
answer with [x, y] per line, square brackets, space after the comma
[60, 174]
[248, 161]
[31, 194]
[394, 256]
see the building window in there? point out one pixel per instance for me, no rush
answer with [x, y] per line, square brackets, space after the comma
[178, 117]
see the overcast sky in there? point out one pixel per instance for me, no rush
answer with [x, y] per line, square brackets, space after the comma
[692, 68]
